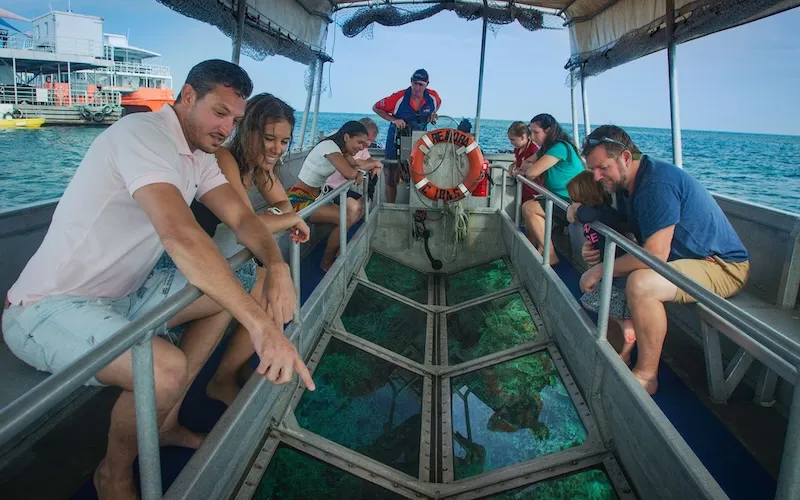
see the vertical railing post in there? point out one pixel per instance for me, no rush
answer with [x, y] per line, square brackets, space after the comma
[69, 83]
[605, 288]
[144, 394]
[365, 195]
[575, 131]
[587, 129]
[294, 259]
[307, 109]
[518, 201]
[548, 231]
[318, 90]
[789, 477]
[674, 111]
[503, 193]
[241, 10]
[14, 75]
[343, 224]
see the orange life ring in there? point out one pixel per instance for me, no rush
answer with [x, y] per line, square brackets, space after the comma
[465, 144]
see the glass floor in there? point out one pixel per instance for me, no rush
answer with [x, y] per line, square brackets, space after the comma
[388, 421]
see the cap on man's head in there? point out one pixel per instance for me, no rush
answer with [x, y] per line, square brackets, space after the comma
[420, 75]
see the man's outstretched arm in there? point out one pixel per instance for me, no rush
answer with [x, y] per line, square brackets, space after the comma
[199, 259]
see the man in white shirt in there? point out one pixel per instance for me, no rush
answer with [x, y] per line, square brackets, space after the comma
[92, 275]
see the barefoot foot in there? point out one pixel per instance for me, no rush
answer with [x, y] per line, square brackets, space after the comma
[183, 437]
[224, 390]
[650, 384]
[113, 488]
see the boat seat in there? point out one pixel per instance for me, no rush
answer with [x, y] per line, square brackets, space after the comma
[18, 378]
[722, 381]
[772, 238]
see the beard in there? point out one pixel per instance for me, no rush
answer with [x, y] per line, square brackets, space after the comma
[202, 141]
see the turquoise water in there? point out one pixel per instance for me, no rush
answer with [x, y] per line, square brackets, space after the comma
[37, 165]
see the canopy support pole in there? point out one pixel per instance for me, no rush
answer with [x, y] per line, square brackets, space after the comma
[480, 80]
[241, 10]
[674, 111]
[587, 129]
[575, 130]
[313, 67]
[318, 90]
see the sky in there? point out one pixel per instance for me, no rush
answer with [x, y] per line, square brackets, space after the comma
[741, 80]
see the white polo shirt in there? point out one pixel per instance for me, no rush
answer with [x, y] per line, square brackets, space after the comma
[100, 242]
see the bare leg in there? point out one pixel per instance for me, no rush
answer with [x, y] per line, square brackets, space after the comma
[627, 338]
[647, 291]
[330, 215]
[198, 342]
[534, 217]
[391, 192]
[224, 387]
[113, 478]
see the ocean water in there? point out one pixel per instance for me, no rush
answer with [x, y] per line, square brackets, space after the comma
[37, 165]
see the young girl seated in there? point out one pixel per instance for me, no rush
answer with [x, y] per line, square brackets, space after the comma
[524, 156]
[363, 158]
[590, 203]
[332, 154]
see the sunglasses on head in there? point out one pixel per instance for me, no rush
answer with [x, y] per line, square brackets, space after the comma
[595, 142]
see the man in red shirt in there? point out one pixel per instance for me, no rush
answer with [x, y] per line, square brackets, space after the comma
[411, 108]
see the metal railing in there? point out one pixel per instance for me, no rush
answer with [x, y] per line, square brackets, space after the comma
[781, 353]
[52, 44]
[139, 69]
[58, 97]
[136, 336]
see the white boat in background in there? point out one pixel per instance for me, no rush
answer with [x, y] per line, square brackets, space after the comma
[67, 70]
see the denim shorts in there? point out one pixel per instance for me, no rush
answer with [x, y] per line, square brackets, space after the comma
[55, 331]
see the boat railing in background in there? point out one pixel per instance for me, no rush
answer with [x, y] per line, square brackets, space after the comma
[18, 41]
[63, 45]
[140, 69]
[136, 336]
[60, 96]
[778, 352]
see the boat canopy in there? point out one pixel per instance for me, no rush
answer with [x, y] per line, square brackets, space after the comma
[297, 29]
[603, 33]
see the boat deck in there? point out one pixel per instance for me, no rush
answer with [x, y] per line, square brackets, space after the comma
[385, 405]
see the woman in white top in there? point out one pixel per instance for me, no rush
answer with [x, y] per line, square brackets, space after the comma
[332, 154]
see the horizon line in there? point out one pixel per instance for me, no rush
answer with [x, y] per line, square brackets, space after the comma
[683, 129]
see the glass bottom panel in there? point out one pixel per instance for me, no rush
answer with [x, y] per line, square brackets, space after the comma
[366, 404]
[488, 328]
[397, 277]
[386, 322]
[592, 484]
[474, 282]
[510, 413]
[293, 475]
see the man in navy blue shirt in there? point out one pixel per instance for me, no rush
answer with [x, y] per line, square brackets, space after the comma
[413, 108]
[674, 218]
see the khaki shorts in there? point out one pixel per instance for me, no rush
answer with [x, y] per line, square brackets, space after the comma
[722, 278]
